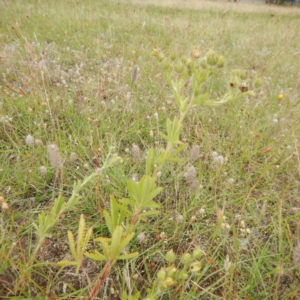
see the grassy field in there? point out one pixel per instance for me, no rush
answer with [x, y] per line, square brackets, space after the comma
[206, 209]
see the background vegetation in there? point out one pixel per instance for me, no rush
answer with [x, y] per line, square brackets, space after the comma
[78, 78]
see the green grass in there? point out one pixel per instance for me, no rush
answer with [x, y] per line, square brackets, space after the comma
[66, 79]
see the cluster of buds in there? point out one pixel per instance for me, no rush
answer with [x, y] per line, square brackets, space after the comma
[243, 229]
[241, 80]
[187, 76]
[3, 203]
[190, 66]
[170, 276]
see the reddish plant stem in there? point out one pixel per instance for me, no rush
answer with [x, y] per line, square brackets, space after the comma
[101, 279]
[134, 218]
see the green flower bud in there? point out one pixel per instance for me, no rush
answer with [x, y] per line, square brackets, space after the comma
[203, 63]
[220, 63]
[155, 52]
[195, 267]
[184, 59]
[186, 259]
[243, 75]
[197, 254]
[165, 64]
[171, 271]
[179, 67]
[183, 275]
[160, 56]
[170, 256]
[197, 91]
[201, 76]
[163, 286]
[189, 63]
[251, 94]
[212, 58]
[161, 275]
[173, 56]
[170, 282]
[257, 83]
[235, 81]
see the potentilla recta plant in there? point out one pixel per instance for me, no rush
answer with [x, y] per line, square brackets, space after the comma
[188, 77]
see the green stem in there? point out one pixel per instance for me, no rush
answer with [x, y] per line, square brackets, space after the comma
[170, 146]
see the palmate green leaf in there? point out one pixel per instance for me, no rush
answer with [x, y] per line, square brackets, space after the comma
[95, 256]
[119, 212]
[143, 192]
[117, 244]
[45, 223]
[82, 242]
[127, 203]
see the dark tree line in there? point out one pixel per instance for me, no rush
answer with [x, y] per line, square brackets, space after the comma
[282, 1]
[292, 2]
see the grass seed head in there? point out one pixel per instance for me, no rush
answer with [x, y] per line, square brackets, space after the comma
[42, 170]
[190, 174]
[141, 237]
[134, 73]
[73, 157]
[29, 140]
[195, 153]
[136, 153]
[54, 156]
